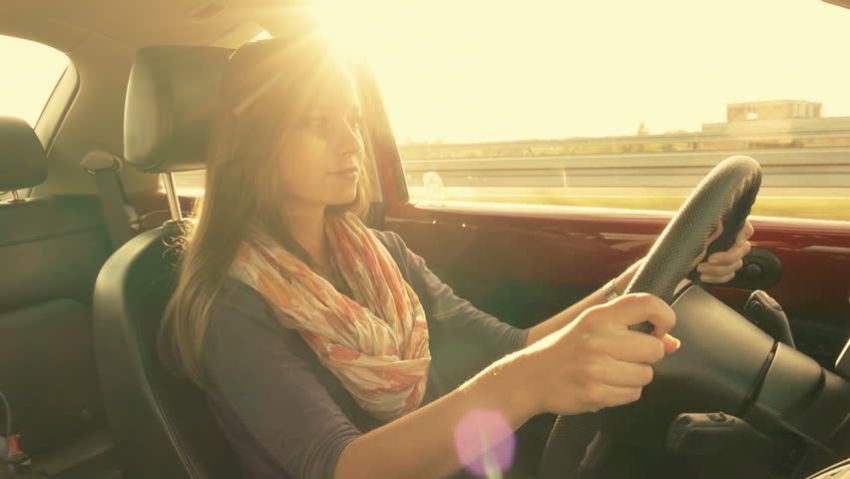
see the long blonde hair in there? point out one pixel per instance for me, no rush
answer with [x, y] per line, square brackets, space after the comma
[266, 89]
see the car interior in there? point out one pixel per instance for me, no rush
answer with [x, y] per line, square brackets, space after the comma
[86, 248]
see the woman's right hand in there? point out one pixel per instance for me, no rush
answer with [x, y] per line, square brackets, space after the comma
[594, 362]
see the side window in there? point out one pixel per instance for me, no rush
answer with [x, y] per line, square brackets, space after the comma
[626, 106]
[30, 73]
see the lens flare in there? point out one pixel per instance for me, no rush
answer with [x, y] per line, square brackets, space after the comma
[485, 443]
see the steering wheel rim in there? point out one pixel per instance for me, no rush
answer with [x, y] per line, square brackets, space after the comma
[726, 194]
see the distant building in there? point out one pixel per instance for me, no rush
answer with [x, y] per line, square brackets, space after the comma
[772, 110]
[782, 119]
[775, 124]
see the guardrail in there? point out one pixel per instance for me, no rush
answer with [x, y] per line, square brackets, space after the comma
[793, 168]
[802, 183]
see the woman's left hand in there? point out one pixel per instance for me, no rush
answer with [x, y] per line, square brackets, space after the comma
[721, 267]
[717, 269]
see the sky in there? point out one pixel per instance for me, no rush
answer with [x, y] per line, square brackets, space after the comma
[468, 70]
[30, 71]
[474, 70]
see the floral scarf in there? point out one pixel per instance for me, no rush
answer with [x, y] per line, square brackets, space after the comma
[377, 345]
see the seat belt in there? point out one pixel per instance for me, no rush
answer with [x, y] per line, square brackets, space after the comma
[104, 167]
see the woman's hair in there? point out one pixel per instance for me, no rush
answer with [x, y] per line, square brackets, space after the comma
[267, 87]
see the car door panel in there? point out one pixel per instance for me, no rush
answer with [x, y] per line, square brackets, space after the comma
[525, 264]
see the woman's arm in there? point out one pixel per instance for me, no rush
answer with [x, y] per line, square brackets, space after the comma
[464, 339]
[719, 268]
[593, 363]
[272, 400]
[420, 444]
[541, 330]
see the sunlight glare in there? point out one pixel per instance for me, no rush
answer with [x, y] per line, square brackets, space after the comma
[33, 72]
[473, 70]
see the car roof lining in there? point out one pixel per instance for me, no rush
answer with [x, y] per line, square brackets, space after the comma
[135, 24]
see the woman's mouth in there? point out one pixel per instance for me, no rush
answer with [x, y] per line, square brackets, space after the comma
[345, 172]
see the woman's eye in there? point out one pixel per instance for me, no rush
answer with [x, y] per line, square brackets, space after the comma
[324, 123]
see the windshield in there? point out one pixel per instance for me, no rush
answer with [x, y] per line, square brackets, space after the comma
[621, 105]
[492, 71]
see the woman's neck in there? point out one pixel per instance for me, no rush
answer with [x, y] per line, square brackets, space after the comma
[307, 227]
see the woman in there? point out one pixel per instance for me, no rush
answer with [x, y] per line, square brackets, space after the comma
[311, 334]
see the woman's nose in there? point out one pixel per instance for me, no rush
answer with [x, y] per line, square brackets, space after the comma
[349, 142]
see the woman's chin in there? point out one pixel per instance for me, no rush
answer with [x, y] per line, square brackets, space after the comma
[342, 200]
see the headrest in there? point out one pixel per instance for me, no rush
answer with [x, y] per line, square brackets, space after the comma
[22, 160]
[171, 97]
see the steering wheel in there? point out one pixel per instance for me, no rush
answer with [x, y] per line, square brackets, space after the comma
[726, 194]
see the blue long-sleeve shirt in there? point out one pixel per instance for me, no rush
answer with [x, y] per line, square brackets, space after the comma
[288, 416]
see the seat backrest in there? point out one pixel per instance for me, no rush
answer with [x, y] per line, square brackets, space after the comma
[51, 249]
[161, 424]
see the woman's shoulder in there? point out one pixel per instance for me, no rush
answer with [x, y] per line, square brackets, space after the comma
[397, 248]
[239, 322]
[390, 239]
[395, 245]
[238, 305]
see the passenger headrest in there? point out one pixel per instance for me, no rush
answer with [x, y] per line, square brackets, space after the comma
[22, 160]
[171, 97]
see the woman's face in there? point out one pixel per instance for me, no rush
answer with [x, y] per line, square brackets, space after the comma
[321, 158]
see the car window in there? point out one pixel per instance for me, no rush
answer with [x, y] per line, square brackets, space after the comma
[30, 72]
[623, 104]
